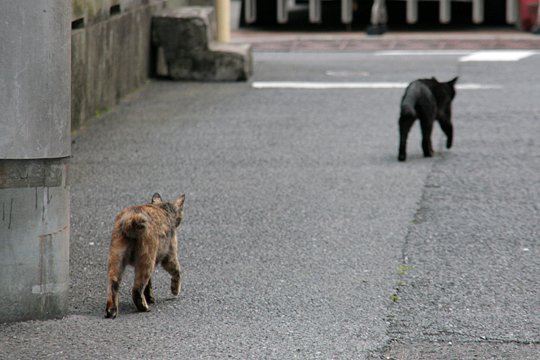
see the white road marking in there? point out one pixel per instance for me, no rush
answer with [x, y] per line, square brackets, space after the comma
[422, 52]
[346, 73]
[312, 85]
[326, 85]
[497, 55]
[473, 86]
[466, 55]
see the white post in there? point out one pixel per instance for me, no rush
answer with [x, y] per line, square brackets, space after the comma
[250, 11]
[378, 13]
[538, 13]
[444, 11]
[478, 11]
[536, 26]
[223, 17]
[412, 11]
[282, 11]
[346, 11]
[315, 11]
[511, 11]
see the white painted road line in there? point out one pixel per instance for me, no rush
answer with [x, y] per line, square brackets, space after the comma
[466, 55]
[473, 86]
[311, 85]
[498, 55]
[422, 52]
[326, 85]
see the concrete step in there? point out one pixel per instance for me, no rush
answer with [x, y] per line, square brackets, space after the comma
[188, 50]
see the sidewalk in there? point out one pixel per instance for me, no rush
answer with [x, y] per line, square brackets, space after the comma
[354, 41]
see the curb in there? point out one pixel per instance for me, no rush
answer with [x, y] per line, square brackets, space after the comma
[358, 42]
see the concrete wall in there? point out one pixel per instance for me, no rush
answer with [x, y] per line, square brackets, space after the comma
[34, 145]
[111, 54]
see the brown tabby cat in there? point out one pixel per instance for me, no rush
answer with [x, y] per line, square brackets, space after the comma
[144, 236]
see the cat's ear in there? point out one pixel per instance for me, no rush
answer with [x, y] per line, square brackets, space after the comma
[179, 202]
[453, 81]
[434, 79]
[156, 199]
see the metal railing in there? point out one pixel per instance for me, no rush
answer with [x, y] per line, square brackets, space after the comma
[378, 11]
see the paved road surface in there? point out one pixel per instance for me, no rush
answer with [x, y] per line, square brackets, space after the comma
[304, 237]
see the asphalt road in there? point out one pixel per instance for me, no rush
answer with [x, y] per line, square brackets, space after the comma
[303, 235]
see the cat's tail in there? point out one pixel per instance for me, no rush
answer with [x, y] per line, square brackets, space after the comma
[134, 224]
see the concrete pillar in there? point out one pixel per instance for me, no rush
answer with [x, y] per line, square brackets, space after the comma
[35, 143]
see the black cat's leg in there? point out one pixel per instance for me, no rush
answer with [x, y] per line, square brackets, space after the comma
[445, 121]
[448, 129]
[426, 125]
[149, 293]
[405, 123]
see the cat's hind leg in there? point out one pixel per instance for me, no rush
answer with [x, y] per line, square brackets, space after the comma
[406, 121]
[149, 293]
[426, 125]
[111, 310]
[116, 267]
[143, 272]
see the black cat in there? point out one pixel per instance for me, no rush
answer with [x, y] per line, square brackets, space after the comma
[427, 100]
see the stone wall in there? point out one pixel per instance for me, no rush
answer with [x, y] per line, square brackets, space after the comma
[110, 53]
